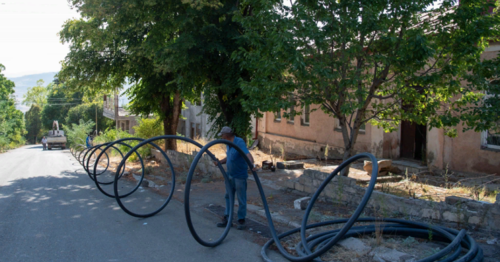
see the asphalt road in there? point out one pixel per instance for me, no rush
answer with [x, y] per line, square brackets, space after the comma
[51, 211]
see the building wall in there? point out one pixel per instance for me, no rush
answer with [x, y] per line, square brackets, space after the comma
[463, 153]
[311, 140]
[194, 124]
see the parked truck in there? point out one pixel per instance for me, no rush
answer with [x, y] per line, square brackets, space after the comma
[56, 137]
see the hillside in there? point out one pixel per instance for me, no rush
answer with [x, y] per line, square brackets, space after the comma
[27, 81]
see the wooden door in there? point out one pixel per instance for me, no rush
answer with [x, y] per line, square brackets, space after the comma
[407, 145]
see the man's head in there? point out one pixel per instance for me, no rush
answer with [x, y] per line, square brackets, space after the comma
[227, 133]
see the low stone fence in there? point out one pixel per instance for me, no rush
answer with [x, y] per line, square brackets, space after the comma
[454, 209]
[183, 161]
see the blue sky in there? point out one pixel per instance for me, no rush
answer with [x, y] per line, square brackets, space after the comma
[28, 35]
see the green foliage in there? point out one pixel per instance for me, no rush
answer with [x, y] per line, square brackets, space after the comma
[104, 55]
[111, 135]
[170, 50]
[60, 101]
[77, 133]
[380, 62]
[148, 127]
[88, 112]
[34, 124]
[11, 120]
[36, 95]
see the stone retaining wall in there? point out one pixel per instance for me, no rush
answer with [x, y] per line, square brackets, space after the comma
[182, 160]
[455, 209]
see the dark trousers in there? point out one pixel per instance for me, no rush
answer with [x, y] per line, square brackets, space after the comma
[240, 188]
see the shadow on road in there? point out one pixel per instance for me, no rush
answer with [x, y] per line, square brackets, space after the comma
[39, 147]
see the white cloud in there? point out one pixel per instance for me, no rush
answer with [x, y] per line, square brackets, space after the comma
[29, 43]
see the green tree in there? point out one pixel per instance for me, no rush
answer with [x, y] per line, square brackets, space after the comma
[171, 50]
[103, 55]
[11, 120]
[380, 62]
[88, 112]
[33, 123]
[201, 56]
[36, 95]
[59, 101]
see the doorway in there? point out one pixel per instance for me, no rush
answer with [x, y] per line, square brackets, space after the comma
[413, 141]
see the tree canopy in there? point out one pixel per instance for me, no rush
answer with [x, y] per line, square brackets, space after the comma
[11, 119]
[34, 123]
[171, 50]
[60, 101]
[36, 95]
[87, 112]
[380, 62]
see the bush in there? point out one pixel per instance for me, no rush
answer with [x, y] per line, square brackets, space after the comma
[78, 133]
[148, 128]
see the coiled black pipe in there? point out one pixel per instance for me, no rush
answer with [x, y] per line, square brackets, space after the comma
[312, 247]
[151, 142]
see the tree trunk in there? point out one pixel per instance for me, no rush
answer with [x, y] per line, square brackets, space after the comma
[349, 142]
[171, 111]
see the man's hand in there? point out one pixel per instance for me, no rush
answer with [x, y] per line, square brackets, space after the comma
[215, 162]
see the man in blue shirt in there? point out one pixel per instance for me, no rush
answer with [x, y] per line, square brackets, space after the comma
[237, 171]
[89, 141]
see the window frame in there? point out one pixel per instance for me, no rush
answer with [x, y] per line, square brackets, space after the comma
[306, 112]
[291, 115]
[277, 116]
[484, 134]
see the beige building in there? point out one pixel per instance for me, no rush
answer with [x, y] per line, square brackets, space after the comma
[308, 134]
[113, 109]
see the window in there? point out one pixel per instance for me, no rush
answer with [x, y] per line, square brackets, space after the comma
[305, 116]
[491, 138]
[198, 130]
[291, 114]
[277, 116]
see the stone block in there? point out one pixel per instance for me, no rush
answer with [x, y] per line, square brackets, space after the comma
[475, 220]
[290, 165]
[431, 213]
[356, 245]
[305, 180]
[382, 165]
[453, 216]
[454, 200]
[498, 199]
[309, 189]
[298, 186]
[316, 183]
[289, 183]
[301, 203]
[494, 222]
[310, 172]
[477, 205]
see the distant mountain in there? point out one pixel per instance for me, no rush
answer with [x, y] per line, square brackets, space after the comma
[27, 81]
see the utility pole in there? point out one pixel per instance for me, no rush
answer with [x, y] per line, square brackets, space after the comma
[96, 129]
